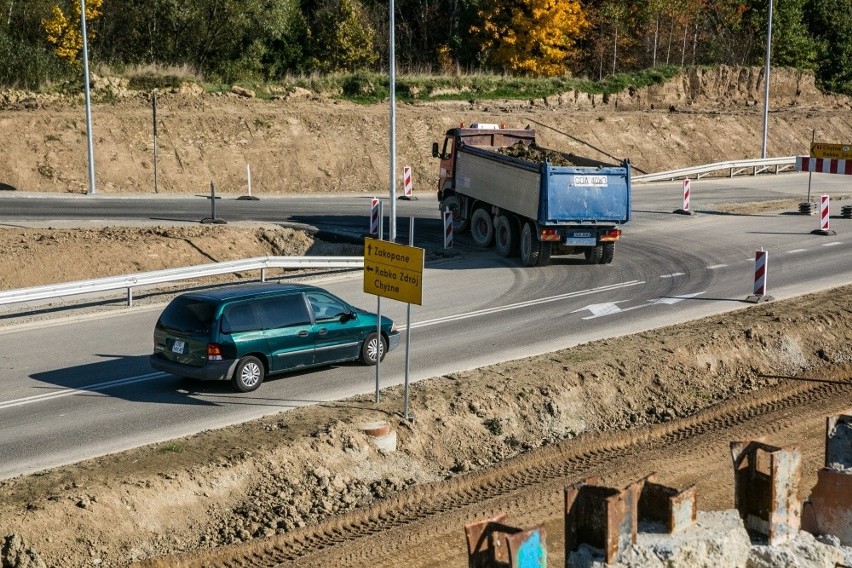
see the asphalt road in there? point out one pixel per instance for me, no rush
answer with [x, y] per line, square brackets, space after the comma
[76, 388]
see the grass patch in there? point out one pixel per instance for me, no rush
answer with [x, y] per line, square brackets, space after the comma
[173, 447]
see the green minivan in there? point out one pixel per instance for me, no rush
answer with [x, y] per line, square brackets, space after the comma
[245, 333]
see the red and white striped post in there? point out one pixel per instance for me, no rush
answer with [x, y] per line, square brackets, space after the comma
[824, 223]
[448, 228]
[684, 210]
[823, 212]
[761, 265]
[407, 184]
[760, 262]
[375, 215]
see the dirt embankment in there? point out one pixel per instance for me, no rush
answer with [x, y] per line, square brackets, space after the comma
[307, 465]
[306, 143]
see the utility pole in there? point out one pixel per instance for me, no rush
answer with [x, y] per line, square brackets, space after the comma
[88, 99]
[766, 79]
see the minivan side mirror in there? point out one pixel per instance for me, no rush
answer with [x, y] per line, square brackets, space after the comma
[348, 315]
[435, 152]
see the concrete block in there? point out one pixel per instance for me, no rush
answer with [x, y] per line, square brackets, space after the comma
[717, 539]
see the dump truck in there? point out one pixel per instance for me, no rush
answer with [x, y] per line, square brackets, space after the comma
[530, 201]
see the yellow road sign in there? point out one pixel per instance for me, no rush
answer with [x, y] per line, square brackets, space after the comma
[393, 271]
[823, 150]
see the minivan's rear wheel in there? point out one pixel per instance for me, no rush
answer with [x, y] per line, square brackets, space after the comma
[248, 375]
[372, 348]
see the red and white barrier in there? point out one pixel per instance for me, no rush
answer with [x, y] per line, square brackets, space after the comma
[823, 165]
[823, 213]
[407, 184]
[761, 259]
[686, 184]
[375, 215]
[448, 229]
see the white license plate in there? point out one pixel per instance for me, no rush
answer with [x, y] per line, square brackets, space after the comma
[177, 346]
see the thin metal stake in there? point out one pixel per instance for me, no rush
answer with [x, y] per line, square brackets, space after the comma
[408, 332]
[156, 188]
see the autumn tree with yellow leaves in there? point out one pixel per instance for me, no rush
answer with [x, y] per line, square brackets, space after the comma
[66, 35]
[531, 37]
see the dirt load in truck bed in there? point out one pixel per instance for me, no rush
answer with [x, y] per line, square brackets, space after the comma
[536, 154]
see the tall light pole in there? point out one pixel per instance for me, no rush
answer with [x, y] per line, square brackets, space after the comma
[88, 99]
[392, 126]
[766, 80]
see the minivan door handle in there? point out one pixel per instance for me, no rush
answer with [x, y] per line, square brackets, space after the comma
[303, 333]
[322, 331]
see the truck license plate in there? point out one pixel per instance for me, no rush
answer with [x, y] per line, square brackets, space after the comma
[580, 238]
[177, 346]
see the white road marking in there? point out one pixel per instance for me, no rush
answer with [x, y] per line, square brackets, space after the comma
[672, 275]
[834, 244]
[85, 389]
[717, 266]
[796, 251]
[610, 308]
[577, 294]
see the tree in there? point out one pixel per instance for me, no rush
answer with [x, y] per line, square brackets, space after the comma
[531, 37]
[341, 39]
[66, 36]
[831, 27]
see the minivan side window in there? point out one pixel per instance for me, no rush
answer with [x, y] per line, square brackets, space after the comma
[326, 307]
[240, 317]
[284, 311]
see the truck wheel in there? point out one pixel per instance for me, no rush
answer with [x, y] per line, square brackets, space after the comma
[530, 245]
[460, 221]
[506, 235]
[544, 254]
[594, 254]
[482, 227]
[608, 253]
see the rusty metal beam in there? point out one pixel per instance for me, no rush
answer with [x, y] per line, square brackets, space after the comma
[766, 485]
[829, 507]
[601, 517]
[675, 509]
[493, 544]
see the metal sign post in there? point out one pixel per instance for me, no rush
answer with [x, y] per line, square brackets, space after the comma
[379, 306]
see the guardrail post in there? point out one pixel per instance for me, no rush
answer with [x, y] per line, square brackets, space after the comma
[263, 274]
[130, 296]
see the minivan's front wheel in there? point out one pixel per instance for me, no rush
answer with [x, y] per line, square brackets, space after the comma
[248, 375]
[373, 349]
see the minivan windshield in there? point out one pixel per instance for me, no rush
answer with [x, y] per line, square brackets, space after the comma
[188, 315]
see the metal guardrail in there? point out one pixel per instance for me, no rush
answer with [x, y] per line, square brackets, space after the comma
[735, 167]
[130, 281]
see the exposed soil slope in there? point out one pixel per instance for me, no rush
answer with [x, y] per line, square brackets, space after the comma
[305, 143]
